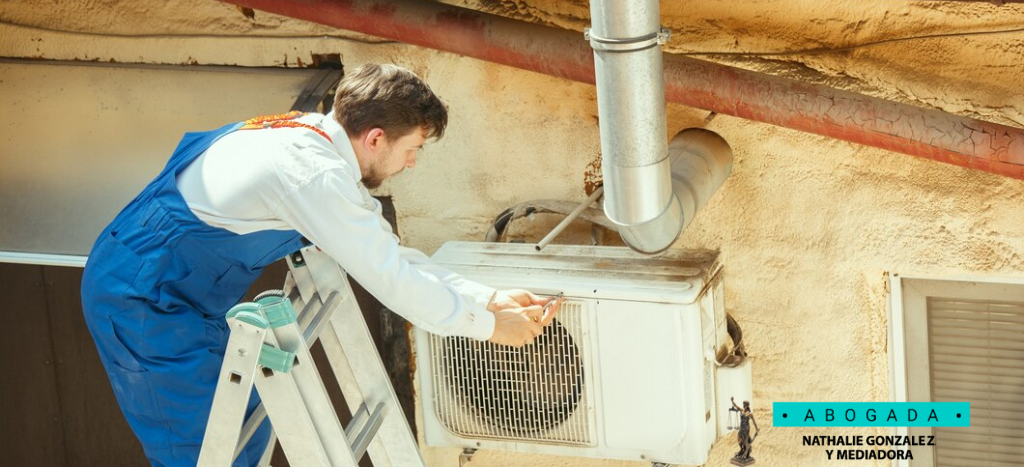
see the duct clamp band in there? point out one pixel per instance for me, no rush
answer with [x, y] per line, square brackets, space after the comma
[633, 44]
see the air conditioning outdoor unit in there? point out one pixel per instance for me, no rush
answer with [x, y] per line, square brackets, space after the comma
[626, 371]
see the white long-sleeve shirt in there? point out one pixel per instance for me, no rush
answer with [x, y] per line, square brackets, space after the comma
[295, 179]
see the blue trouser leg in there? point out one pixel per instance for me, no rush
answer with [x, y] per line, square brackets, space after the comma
[163, 368]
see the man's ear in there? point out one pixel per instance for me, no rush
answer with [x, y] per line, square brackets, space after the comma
[374, 139]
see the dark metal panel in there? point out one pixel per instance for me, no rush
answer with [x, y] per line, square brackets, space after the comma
[30, 428]
[317, 90]
[396, 350]
[95, 431]
[56, 404]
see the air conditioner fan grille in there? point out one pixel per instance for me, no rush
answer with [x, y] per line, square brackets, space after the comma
[535, 393]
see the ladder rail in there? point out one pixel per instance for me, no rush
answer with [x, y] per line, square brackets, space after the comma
[311, 388]
[234, 387]
[363, 378]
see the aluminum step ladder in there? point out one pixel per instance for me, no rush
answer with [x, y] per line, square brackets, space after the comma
[269, 348]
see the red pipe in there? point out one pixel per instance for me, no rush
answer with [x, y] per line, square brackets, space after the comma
[821, 110]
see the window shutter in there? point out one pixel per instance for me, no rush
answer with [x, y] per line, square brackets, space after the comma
[977, 355]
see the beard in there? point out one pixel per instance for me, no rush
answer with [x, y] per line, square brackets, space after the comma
[375, 174]
[372, 180]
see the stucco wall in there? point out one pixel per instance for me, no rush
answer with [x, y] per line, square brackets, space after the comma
[807, 226]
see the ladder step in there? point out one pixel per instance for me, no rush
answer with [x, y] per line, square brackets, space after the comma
[358, 419]
[363, 428]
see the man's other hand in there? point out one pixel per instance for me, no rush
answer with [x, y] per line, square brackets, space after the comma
[513, 298]
[518, 298]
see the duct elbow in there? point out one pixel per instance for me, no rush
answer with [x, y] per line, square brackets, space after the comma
[699, 160]
[655, 236]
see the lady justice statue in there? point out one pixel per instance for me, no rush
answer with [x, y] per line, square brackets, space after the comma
[742, 458]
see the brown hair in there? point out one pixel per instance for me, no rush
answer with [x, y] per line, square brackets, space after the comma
[391, 98]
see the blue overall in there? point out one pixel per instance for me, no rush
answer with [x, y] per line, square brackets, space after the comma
[155, 291]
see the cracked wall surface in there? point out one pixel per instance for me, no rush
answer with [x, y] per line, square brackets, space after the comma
[807, 226]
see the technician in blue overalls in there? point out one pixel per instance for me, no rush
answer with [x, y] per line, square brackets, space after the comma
[231, 201]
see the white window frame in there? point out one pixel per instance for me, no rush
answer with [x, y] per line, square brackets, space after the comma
[908, 330]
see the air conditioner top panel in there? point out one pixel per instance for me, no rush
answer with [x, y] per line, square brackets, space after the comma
[676, 276]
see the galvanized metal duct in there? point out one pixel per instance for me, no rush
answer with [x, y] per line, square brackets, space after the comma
[626, 38]
[631, 107]
[645, 195]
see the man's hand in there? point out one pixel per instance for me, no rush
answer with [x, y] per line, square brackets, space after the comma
[517, 326]
[517, 298]
[520, 316]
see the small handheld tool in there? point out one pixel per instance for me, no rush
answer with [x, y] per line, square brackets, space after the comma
[547, 306]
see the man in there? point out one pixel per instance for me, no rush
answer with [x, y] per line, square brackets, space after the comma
[162, 275]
